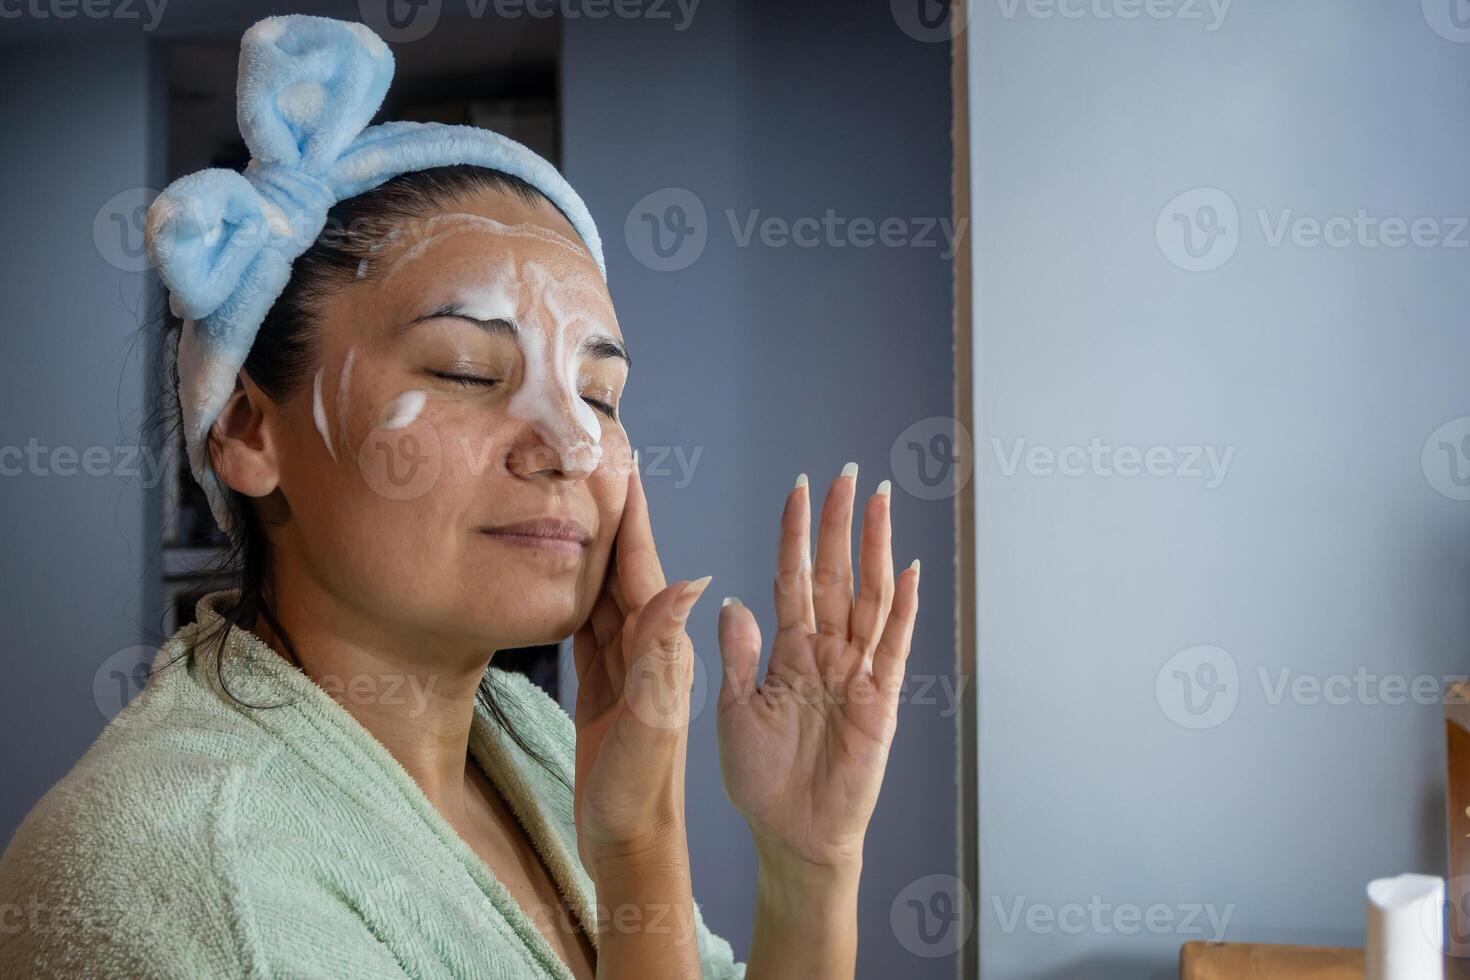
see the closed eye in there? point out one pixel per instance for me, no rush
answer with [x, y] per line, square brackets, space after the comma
[602, 407]
[470, 380]
[466, 380]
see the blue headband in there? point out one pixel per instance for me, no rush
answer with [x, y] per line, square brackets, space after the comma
[223, 242]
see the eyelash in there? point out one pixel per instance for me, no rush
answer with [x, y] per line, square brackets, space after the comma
[467, 381]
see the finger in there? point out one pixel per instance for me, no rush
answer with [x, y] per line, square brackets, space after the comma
[640, 574]
[893, 646]
[794, 562]
[875, 578]
[832, 570]
[740, 652]
[584, 649]
[661, 671]
[615, 587]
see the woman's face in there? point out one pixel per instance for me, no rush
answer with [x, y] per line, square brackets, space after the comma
[469, 379]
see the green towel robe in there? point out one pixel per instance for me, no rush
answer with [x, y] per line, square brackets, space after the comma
[198, 838]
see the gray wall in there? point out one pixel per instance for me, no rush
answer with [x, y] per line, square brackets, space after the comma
[770, 360]
[1327, 551]
[76, 571]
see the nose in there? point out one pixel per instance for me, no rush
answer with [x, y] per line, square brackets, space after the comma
[554, 438]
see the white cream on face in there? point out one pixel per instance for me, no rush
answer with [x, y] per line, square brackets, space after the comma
[404, 409]
[319, 412]
[456, 223]
[343, 379]
[552, 318]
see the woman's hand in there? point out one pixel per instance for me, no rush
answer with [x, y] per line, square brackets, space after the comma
[635, 666]
[803, 753]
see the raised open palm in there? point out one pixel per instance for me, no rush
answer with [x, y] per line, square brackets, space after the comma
[803, 752]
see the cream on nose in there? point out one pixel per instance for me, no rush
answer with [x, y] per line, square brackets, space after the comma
[547, 396]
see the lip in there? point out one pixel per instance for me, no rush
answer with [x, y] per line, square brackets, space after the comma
[545, 533]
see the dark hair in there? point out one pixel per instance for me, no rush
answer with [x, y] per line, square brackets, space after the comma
[283, 355]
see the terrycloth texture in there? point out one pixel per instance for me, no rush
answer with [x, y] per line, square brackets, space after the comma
[224, 242]
[197, 838]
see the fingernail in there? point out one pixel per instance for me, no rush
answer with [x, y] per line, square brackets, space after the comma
[731, 601]
[635, 461]
[800, 480]
[885, 488]
[914, 565]
[689, 595]
[850, 469]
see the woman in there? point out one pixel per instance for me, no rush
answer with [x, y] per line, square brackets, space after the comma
[399, 374]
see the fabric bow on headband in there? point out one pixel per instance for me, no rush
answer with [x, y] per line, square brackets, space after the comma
[223, 242]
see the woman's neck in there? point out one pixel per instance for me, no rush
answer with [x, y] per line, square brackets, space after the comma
[414, 697]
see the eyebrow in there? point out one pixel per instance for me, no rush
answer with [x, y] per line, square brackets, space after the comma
[597, 346]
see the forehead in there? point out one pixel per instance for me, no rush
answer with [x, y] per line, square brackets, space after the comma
[489, 240]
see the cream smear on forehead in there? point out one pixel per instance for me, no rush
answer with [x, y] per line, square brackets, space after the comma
[443, 225]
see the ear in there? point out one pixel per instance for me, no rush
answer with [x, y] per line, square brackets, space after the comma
[245, 441]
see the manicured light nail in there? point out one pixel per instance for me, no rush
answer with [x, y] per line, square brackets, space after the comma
[731, 601]
[914, 564]
[850, 469]
[689, 595]
[800, 480]
[885, 488]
